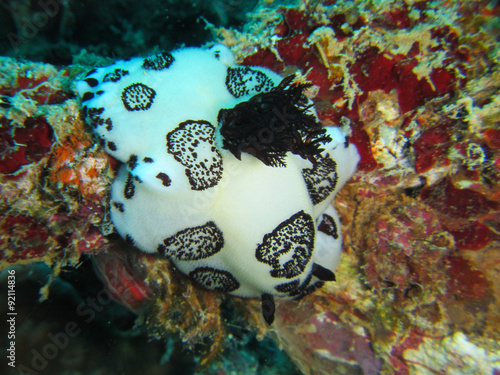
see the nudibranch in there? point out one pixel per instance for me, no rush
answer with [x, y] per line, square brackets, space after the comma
[226, 170]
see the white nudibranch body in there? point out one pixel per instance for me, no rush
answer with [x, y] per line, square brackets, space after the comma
[230, 221]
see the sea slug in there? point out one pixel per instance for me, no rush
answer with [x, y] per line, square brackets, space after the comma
[226, 171]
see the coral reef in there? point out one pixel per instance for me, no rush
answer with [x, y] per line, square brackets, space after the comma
[416, 84]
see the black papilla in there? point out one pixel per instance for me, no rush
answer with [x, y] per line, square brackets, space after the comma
[270, 124]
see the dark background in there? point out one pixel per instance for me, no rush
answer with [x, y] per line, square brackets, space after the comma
[54, 31]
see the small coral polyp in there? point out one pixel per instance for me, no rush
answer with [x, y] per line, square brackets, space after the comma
[249, 216]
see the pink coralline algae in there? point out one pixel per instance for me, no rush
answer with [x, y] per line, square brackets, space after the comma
[401, 262]
[330, 344]
[124, 284]
[24, 144]
[415, 84]
[44, 216]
